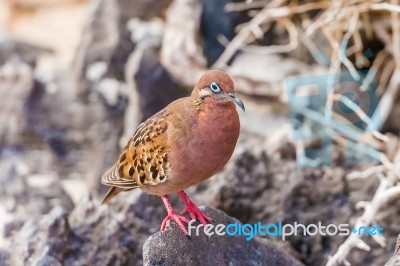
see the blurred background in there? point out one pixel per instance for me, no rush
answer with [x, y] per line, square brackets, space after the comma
[78, 76]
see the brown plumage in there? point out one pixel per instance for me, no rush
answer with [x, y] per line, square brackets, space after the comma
[185, 143]
[144, 160]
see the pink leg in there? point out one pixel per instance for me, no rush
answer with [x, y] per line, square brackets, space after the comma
[172, 215]
[194, 212]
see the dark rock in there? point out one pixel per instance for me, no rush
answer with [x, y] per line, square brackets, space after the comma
[110, 38]
[100, 236]
[171, 247]
[395, 260]
[113, 234]
[155, 86]
[214, 22]
[42, 242]
[26, 190]
[4, 257]
[304, 205]
[91, 234]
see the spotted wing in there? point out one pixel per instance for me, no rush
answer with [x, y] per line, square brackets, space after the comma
[144, 161]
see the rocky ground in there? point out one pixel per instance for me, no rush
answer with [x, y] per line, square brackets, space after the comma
[61, 128]
[213, 249]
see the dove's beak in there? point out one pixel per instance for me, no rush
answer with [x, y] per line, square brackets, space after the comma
[236, 100]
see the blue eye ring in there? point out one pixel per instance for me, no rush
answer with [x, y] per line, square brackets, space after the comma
[215, 87]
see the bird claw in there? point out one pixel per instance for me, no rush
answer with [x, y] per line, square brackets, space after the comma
[196, 214]
[179, 219]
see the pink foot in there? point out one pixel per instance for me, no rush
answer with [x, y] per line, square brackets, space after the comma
[172, 215]
[192, 209]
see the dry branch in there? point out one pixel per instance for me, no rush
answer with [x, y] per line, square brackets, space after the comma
[385, 193]
[388, 99]
[231, 7]
[273, 49]
[267, 14]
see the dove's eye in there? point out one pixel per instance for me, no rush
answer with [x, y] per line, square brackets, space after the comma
[215, 87]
